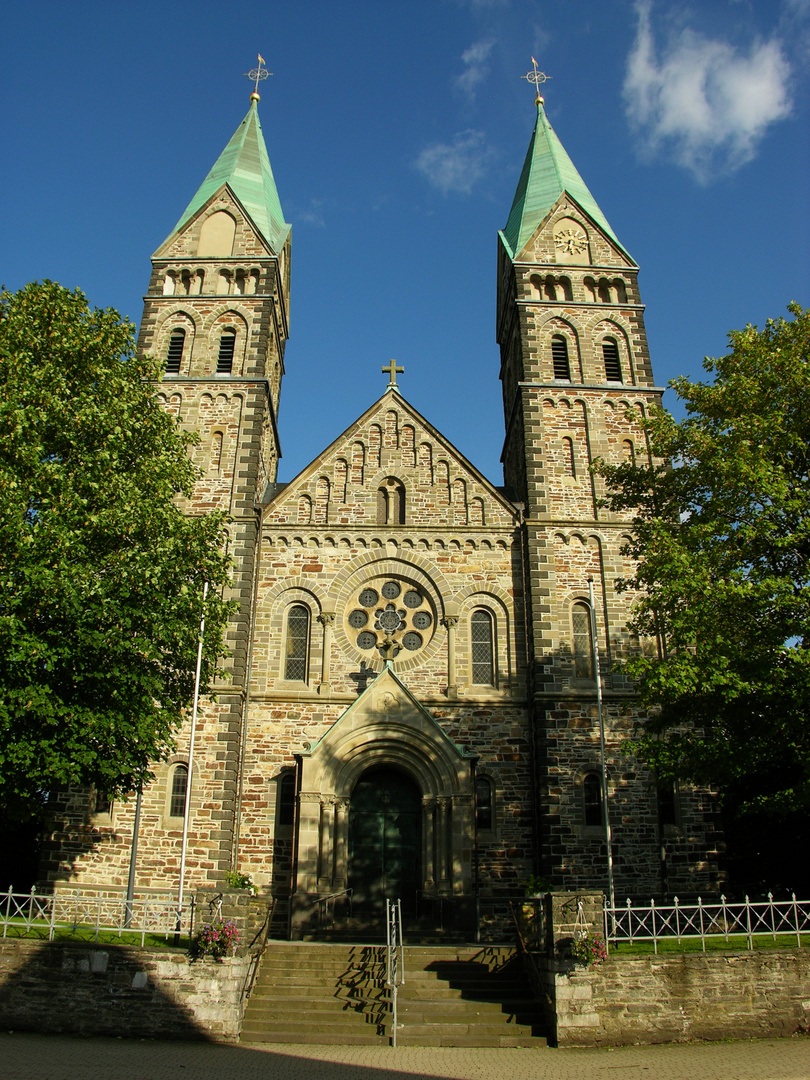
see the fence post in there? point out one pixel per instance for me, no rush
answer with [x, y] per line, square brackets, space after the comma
[7, 916]
[652, 919]
[725, 915]
[629, 920]
[702, 935]
[796, 920]
[677, 921]
[773, 917]
[748, 924]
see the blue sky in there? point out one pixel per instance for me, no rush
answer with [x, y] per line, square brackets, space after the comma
[397, 132]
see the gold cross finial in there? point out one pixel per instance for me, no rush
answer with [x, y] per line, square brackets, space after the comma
[392, 371]
[538, 78]
[258, 74]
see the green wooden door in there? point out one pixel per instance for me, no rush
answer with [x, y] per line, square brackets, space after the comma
[385, 835]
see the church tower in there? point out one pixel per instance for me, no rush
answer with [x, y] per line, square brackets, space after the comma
[576, 376]
[217, 315]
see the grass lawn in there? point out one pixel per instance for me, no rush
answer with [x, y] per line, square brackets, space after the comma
[735, 943]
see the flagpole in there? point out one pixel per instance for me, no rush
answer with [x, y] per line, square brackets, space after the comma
[187, 806]
[605, 809]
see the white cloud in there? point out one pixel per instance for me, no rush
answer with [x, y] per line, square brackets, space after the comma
[705, 102]
[455, 166]
[476, 67]
[313, 215]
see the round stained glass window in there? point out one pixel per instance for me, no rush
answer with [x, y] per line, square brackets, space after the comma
[412, 599]
[412, 641]
[421, 620]
[366, 640]
[369, 597]
[358, 619]
[391, 590]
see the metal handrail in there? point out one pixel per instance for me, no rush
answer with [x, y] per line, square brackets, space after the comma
[260, 937]
[394, 957]
[322, 903]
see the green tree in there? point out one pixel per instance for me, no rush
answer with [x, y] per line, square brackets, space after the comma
[722, 542]
[101, 573]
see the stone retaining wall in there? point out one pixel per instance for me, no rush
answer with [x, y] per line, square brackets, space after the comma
[675, 998]
[119, 990]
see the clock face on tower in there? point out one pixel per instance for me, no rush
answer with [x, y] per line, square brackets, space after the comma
[571, 241]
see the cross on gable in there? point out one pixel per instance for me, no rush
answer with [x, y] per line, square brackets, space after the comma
[392, 370]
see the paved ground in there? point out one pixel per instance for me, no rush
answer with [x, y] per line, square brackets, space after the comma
[58, 1057]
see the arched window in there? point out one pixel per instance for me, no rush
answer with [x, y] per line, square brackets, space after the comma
[285, 814]
[592, 799]
[295, 654]
[481, 641]
[483, 803]
[227, 344]
[177, 801]
[613, 367]
[559, 356]
[391, 503]
[582, 640]
[174, 356]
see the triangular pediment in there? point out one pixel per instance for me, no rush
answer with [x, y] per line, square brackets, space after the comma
[568, 223]
[391, 442]
[386, 725]
[183, 242]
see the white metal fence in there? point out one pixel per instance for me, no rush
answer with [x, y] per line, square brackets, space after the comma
[711, 921]
[86, 916]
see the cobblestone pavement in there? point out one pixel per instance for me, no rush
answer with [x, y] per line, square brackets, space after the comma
[58, 1057]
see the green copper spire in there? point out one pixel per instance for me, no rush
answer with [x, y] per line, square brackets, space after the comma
[245, 167]
[548, 171]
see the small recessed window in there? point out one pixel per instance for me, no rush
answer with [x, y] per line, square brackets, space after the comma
[559, 356]
[174, 356]
[177, 804]
[592, 796]
[613, 367]
[227, 344]
[667, 804]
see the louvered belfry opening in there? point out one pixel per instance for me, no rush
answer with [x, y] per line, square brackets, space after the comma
[174, 356]
[613, 367]
[227, 344]
[559, 356]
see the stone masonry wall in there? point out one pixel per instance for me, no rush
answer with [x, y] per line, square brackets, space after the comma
[676, 998]
[119, 990]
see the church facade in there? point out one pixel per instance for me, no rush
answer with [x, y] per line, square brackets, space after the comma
[411, 707]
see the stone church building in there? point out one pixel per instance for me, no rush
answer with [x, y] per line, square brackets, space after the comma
[412, 707]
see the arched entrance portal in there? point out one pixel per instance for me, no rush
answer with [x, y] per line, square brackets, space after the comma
[385, 841]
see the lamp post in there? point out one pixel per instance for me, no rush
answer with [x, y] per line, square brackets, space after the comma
[605, 810]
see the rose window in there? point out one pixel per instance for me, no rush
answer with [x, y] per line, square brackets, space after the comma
[388, 617]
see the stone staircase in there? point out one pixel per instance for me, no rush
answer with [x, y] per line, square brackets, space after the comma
[336, 994]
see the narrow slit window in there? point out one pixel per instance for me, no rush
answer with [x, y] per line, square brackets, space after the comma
[568, 457]
[583, 641]
[613, 367]
[295, 658]
[483, 668]
[227, 345]
[174, 357]
[592, 797]
[667, 804]
[177, 804]
[483, 803]
[559, 356]
[286, 799]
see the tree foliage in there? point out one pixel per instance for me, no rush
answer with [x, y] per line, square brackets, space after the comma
[722, 539]
[101, 573]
